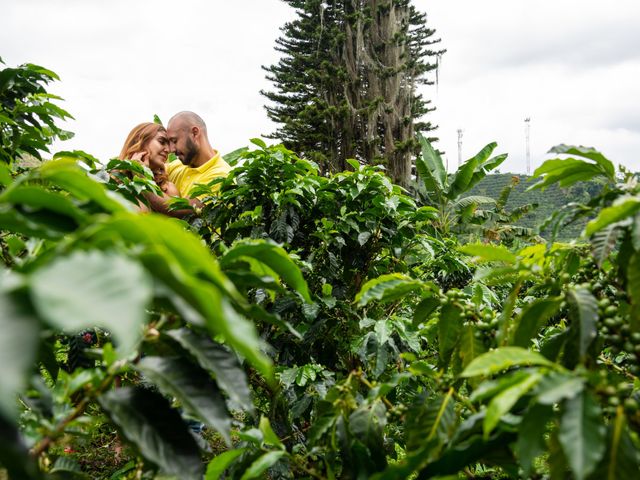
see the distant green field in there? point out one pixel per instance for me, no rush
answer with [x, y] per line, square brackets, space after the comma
[548, 201]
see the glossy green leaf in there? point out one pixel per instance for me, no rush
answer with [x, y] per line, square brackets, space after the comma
[505, 400]
[192, 386]
[590, 153]
[219, 360]
[531, 436]
[221, 462]
[533, 317]
[388, 288]
[489, 253]
[431, 168]
[94, 289]
[623, 208]
[146, 419]
[259, 466]
[555, 387]
[470, 346]
[270, 438]
[275, 258]
[585, 308]
[450, 327]
[582, 434]
[502, 358]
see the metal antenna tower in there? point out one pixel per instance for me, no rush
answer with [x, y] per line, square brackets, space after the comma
[459, 147]
[527, 136]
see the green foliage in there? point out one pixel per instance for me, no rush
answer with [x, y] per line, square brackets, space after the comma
[320, 326]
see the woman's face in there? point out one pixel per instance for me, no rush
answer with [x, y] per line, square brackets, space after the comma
[158, 148]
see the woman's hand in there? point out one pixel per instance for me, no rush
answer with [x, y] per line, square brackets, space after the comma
[141, 157]
[170, 189]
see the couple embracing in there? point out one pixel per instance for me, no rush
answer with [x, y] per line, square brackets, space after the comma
[198, 162]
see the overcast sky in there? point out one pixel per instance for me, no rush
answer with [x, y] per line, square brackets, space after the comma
[572, 66]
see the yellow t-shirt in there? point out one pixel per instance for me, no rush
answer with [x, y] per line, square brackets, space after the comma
[185, 178]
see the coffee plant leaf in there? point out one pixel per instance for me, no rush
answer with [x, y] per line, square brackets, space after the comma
[555, 387]
[503, 358]
[582, 434]
[260, 465]
[502, 403]
[604, 241]
[622, 209]
[450, 326]
[18, 347]
[585, 308]
[221, 462]
[588, 153]
[489, 253]
[147, 420]
[94, 289]
[66, 174]
[197, 393]
[275, 258]
[564, 172]
[531, 436]
[387, 288]
[533, 318]
[219, 360]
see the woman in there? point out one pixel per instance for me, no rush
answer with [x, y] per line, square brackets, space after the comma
[148, 144]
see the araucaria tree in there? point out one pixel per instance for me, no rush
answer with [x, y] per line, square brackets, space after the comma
[347, 83]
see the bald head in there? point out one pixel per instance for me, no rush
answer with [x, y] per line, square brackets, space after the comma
[189, 141]
[187, 119]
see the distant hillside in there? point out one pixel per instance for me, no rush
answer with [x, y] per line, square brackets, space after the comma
[548, 201]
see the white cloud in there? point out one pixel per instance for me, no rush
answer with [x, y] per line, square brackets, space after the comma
[571, 65]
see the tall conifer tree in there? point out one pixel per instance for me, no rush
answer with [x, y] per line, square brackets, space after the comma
[347, 83]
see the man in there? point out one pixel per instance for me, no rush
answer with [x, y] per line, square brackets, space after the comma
[199, 162]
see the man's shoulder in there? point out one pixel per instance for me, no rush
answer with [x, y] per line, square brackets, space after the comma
[173, 167]
[217, 164]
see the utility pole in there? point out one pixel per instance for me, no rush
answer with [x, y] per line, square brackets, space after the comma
[527, 135]
[459, 147]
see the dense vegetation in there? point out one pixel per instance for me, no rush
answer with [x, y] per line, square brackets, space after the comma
[319, 326]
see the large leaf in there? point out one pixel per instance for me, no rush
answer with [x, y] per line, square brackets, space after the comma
[556, 387]
[585, 308]
[450, 325]
[502, 403]
[192, 386]
[470, 346]
[221, 462]
[88, 289]
[219, 360]
[582, 434]
[590, 153]
[533, 317]
[19, 338]
[274, 257]
[471, 172]
[604, 241]
[66, 174]
[502, 358]
[147, 420]
[431, 168]
[388, 288]
[489, 253]
[623, 208]
[565, 172]
[259, 466]
[531, 436]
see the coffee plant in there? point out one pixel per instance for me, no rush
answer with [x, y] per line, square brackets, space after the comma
[310, 326]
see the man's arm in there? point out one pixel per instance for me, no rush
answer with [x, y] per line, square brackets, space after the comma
[161, 205]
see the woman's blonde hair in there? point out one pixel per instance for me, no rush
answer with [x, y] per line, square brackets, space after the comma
[138, 139]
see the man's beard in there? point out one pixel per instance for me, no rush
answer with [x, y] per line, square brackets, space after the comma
[190, 151]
